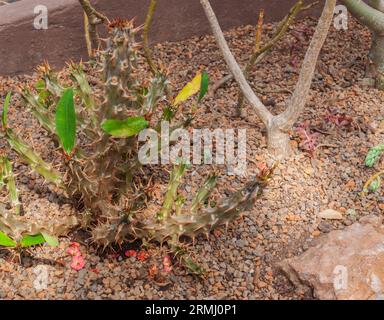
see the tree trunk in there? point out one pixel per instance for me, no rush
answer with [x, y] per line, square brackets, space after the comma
[278, 127]
[278, 142]
[376, 56]
[371, 14]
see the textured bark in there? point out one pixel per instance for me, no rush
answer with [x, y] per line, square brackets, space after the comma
[278, 142]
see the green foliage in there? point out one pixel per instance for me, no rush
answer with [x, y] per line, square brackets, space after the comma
[375, 185]
[124, 128]
[66, 121]
[28, 241]
[204, 85]
[51, 240]
[6, 241]
[4, 115]
[104, 175]
[374, 155]
[199, 83]
[374, 182]
[33, 159]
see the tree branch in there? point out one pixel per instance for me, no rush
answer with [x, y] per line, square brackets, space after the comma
[234, 67]
[286, 120]
[259, 55]
[366, 14]
[147, 25]
[93, 19]
[377, 4]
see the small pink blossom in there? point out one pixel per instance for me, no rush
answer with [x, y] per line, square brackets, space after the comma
[75, 244]
[73, 249]
[78, 263]
[167, 263]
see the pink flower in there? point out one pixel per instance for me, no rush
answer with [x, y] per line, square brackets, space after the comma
[75, 244]
[130, 253]
[167, 264]
[78, 263]
[73, 249]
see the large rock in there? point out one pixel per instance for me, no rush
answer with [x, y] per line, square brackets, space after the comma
[344, 264]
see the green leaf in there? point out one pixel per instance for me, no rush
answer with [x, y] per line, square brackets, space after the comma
[6, 241]
[85, 90]
[51, 240]
[204, 85]
[374, 155]
[43, 93]
[66, 121]
[29, 241]
[189, 90]
[203, 193]
[168, 114]
[124, 128]
[4, 115]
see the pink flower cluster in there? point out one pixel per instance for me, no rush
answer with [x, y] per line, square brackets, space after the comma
[78, 261]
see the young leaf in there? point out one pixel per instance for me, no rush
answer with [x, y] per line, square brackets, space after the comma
[375, 185]
[124, 128]
[51, 240]
[29, 241]
[204, 85]
[189, 90]
[374, 155]
[66, 121]
[4, 115]
[6, 241]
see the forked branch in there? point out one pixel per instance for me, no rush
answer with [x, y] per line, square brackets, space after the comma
[92, 18]
[234, 67]
[147, 26]
[286, 120]
[277, 126]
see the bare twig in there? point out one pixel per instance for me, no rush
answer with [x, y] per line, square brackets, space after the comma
[277, 126]
[147, 25]
[87, 35]
[94, 18]
[238, 74]
[250, 64]
[258, 55]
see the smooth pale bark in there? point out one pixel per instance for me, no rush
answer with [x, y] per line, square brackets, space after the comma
[287, 119]
[371, 14]
[262, 112]
[277, 126]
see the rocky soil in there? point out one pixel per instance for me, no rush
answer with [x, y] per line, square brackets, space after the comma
[282, 224]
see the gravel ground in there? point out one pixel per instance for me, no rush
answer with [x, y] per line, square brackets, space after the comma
[283, 222]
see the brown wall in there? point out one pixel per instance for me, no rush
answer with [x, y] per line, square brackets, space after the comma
[22, 47]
